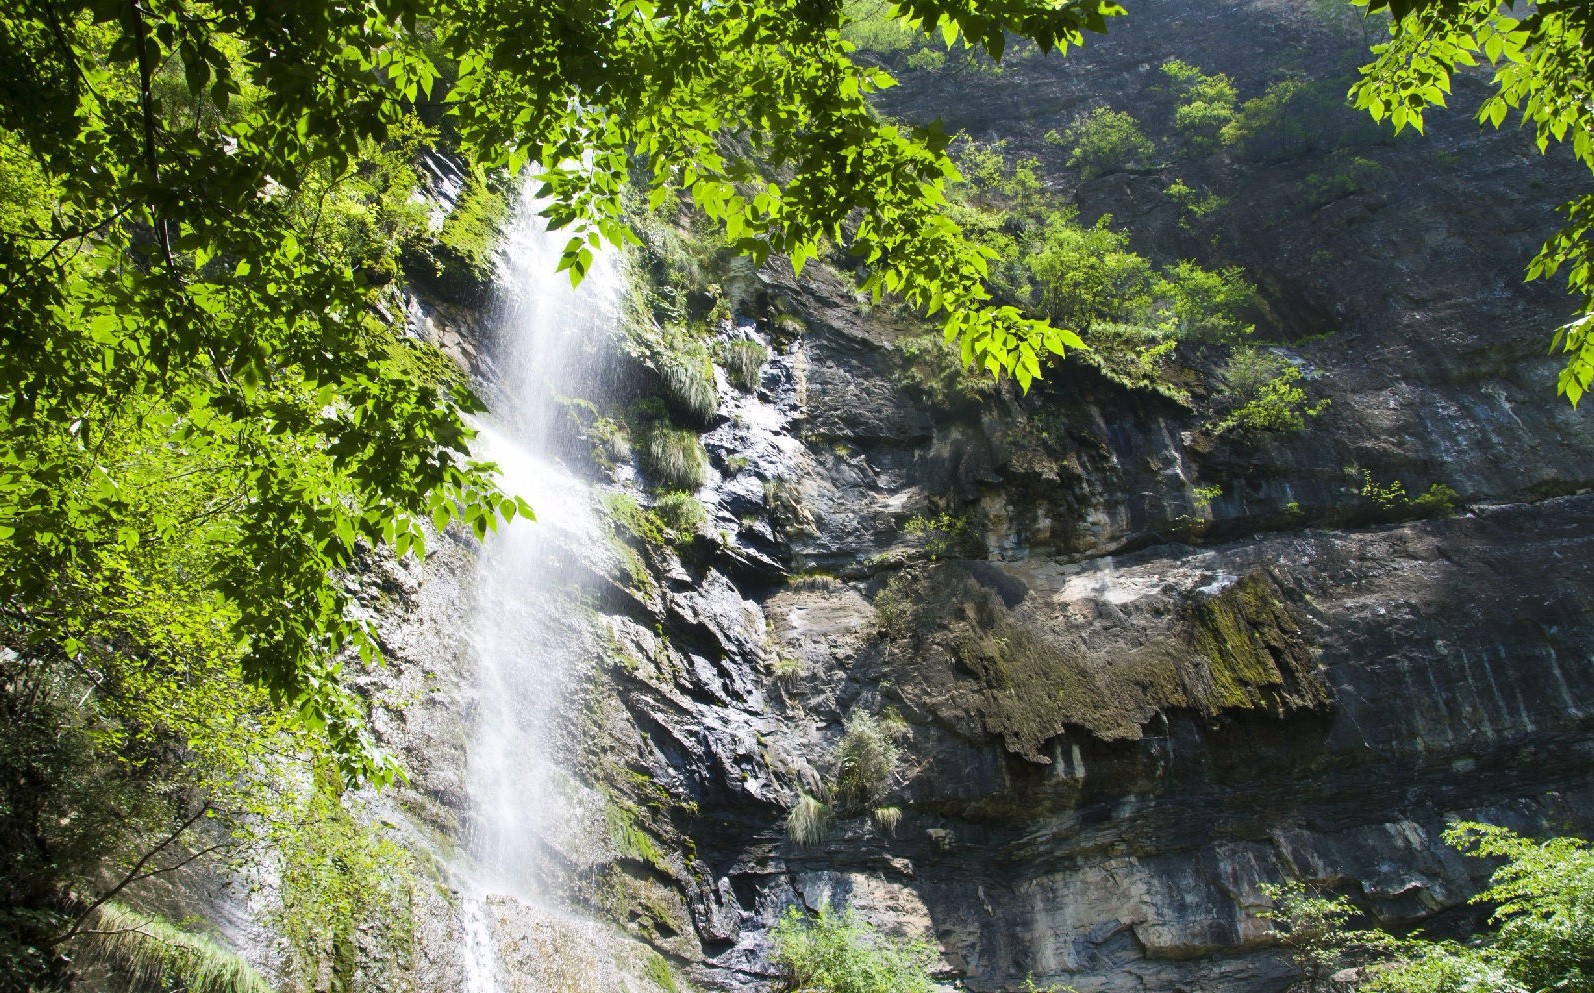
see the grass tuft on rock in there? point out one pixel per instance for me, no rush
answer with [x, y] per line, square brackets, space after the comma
[689, 384]
[743, 362]
[886, 818]
[673, 458]
[152, 954]
[809, 821]
[681, 513]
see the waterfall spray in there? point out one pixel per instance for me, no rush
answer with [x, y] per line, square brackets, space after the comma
[527, 640]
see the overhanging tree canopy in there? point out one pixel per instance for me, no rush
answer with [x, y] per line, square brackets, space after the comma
[200, 200]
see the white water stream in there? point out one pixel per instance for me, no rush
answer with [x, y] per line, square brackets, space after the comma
[527, 632]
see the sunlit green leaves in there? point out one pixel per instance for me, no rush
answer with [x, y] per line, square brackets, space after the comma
[756, 112]
[251, 359]
[1543, 935]
[200, 203]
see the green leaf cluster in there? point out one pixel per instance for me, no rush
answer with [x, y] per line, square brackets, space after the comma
[941, 534]
[1265, 394]
[1206, 103]
[1542, 936]
[1314, 929]
[1087, 278]
[1391, 498]
[1194, 205]
[1106, 140]
[195, 368]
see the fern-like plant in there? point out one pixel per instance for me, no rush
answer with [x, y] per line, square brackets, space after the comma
[154, 955]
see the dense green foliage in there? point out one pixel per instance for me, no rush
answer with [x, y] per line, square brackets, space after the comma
[207, 421]
[340, 885]
[1267, 393]
[1106, 140]
[1087, 277]
[194, 374]
[169, 758]
[1314, 929]
[1544, 71]
[209, 416]
[834, 952]
[1542, 896]
[1180, 329]
[1206, 103]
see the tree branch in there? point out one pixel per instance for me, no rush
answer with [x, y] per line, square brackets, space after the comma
[77, 234]
[137, 872]
[146, 100]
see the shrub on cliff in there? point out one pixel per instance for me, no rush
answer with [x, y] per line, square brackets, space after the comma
[1106, 141]
[869, 759]
[1543, 935]
[840, 953]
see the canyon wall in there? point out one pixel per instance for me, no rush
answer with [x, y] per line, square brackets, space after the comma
[1124, 700]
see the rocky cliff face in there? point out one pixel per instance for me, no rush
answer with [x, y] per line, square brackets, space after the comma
[1124, 706]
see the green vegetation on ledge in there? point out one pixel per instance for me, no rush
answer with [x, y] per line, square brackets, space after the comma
[1180, 330]
[837, 952]
[152, 954]
[1542, 895]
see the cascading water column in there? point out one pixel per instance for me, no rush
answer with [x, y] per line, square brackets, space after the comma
[526, 632]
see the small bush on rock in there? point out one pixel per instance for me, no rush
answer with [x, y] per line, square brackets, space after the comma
[1266, 393]
[673, 457]
[1106, 141]
[869, 759]
[681, 513]
[840, 953]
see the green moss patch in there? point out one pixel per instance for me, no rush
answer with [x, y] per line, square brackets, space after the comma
[964, 656]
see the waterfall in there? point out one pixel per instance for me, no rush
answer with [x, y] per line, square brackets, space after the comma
[527, 630]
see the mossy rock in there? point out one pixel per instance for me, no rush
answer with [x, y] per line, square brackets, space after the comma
[1249, 653]
[980, 666]
[448, 274]
[456, 265]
